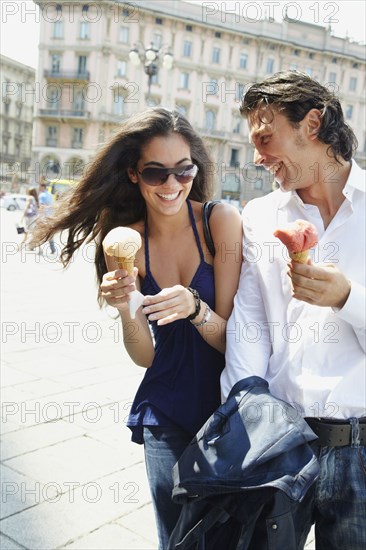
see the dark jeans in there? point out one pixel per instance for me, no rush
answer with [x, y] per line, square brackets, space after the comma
[337, 501]
[163, 447]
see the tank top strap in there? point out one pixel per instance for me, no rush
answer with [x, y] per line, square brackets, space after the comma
[194, 227]
[147, 256]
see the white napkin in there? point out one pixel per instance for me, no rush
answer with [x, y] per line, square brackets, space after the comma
[136, 299]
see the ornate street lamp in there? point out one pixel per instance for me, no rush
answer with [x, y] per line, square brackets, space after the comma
[150, 57]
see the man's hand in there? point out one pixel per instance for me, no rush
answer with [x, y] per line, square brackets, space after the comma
[320, 285]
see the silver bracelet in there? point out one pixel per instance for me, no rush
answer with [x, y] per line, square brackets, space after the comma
[206, 317]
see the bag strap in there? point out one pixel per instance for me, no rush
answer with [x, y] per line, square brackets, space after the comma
[206, 213]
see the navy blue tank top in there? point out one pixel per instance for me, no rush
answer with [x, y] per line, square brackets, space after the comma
[182, 385]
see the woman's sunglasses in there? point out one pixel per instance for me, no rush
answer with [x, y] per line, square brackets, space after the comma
[158, 176]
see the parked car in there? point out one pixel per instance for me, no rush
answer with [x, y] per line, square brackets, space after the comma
[14, 201]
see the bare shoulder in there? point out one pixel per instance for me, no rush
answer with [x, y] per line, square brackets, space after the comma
[225, 219]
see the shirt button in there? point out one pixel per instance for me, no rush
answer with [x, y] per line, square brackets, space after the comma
[274, 526]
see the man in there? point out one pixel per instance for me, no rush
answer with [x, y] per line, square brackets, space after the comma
[45, 207]
[302, 326]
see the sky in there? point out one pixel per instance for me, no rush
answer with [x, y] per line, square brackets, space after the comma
[20, 20]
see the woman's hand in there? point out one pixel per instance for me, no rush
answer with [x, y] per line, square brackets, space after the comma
[169, 305]
[116, 286]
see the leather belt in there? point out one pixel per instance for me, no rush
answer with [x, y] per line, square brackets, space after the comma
[335, 433]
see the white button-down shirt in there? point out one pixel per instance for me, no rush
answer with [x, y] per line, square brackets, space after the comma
[312, 357]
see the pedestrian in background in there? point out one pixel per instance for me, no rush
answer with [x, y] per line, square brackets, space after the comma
[154, 177]
[46, 208]
[299, 134]
[30, 213]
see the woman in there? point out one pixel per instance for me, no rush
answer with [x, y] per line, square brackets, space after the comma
[153, 177]
[30, 213]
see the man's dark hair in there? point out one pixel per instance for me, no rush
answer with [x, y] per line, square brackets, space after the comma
[294, 94]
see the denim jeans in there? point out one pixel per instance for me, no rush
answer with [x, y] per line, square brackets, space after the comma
[336, 503]
[163, 447]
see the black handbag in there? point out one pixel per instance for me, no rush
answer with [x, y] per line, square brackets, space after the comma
[206, 212]
[20, 229]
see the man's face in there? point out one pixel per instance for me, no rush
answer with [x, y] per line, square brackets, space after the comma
[281, 149]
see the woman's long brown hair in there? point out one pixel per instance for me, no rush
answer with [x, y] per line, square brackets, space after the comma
[106, 198]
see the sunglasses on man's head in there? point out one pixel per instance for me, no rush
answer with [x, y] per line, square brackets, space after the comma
[157, 176]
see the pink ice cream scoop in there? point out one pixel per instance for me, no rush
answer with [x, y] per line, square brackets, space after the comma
[298, 236]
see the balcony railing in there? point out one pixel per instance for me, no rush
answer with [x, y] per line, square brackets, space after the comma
[64, 113]
[67, 75]
[51, 142]
[77, 144]
[217, 134]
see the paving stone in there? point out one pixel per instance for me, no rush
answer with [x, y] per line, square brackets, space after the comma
[141, 521]
[11, 376]
[8, 544]
[36, 437]
[112, 537]
[78, 512]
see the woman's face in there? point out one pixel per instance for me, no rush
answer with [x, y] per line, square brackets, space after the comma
[170, 151]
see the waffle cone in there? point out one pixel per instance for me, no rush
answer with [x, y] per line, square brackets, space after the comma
[300, 257]
[126, 263]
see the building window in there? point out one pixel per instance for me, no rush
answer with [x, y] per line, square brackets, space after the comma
[243, 61]
[184, 81]
[297, 53]
[213, 86]
[311, 55]
[352, 84]
[85, 8]
[332, 77]
[187, 48]
[237, 126]
[182, 109]
[334, 60]
[158, 21]
[55, 63]
[234, 157]
[258, 184]
[349, 112]
[239, 91]
[124, 35]
[210, 119]
[189, 28]
[78, 104]
[293, 67]
[51, 139]
[216, 55]
[270, 66]
[84, 30]
[118, 104]
[309, 71]
[53, 97]
[82, 64]
[217, 34]
[155, 78]
[77, 137]
[121, 67]
[58, 29]
[157, 40]
[19, 110]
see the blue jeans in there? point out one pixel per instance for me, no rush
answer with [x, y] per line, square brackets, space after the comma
[336, 503]
[163, 447]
